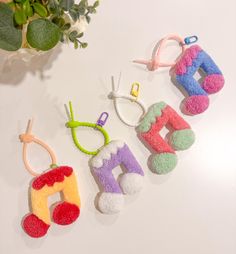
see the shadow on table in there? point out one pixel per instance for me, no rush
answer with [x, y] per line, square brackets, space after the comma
[14, 66]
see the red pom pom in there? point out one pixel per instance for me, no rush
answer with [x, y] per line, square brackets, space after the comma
[34, 226]
[65, 213]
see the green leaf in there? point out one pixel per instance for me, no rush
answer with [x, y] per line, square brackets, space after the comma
[88, 18]
[20, 17]
[82, 10]
[53, 7]
[96, 4]
[66, 27]
[40, 9]
[91, 9]
[10, 37]
[58, 21]
[76, 44]
[42, 34]
[80, 35]
[66, 4]
[83, 3]
[75, 7]
[27, 9]
[84, 45]
[73, 35]
[73, 14]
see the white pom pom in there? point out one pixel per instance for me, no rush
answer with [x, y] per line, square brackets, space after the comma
[110, 203]
[131, 183]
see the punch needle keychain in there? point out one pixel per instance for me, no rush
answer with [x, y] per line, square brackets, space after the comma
[104, 160]
[191, 60]
[159, 115]
[56, 179]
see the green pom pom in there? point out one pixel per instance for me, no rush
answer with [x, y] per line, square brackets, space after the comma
[182, 139]
[164, 162]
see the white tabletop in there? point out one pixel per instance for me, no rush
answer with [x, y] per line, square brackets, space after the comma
[191, 210]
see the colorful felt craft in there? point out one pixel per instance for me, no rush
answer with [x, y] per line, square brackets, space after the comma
[57, 179]
[159, 115]
[192, 60]
[104, 160]
[110, 156]
[181, 136]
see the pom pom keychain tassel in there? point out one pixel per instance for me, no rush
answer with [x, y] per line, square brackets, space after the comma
[191, 60]
[104, 160]
[159, 115]
[57, 179]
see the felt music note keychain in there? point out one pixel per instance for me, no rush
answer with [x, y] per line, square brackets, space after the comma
[159, 115]
[191, 60]
[104, 160]
[56, 179]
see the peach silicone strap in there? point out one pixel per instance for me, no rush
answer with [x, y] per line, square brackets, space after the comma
[155, 62]
[27, 138]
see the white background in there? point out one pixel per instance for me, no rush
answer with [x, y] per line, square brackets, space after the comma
[191, 210]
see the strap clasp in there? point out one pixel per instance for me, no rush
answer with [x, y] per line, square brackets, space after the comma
[190, 40]
[102, 119]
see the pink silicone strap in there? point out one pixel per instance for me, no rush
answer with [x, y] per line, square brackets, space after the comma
[155, 62]
[27, 138]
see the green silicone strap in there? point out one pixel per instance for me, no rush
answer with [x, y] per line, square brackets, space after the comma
[72, 124]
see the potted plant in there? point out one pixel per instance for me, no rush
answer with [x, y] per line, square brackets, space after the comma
[39, 25]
